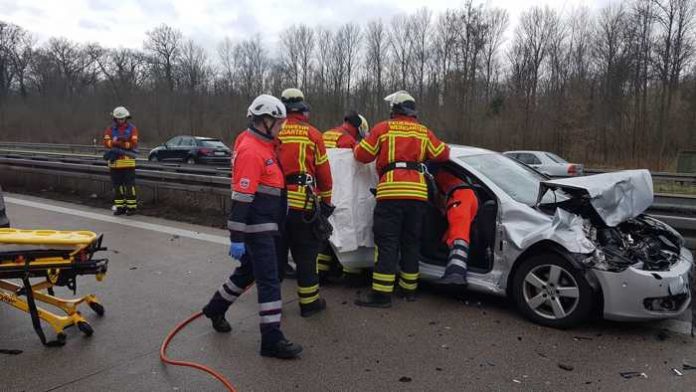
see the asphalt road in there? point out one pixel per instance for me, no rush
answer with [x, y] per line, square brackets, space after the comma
[162, 271]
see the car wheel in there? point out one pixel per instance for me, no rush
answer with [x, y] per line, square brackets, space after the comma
[153, 158]
[550, 291]
[191, 160]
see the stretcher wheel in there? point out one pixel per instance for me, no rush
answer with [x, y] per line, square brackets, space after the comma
[97, 308]
[85, 328]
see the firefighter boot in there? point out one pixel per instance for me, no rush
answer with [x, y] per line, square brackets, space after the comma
[218, 320]
[374, 299]
[408, 295]
[283, 349]
[312, 308]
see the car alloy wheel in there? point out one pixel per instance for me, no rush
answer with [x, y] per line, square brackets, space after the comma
[190, 161]
[153, 158]
[551, 291]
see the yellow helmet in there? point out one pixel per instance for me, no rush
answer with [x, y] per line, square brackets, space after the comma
[293, 99]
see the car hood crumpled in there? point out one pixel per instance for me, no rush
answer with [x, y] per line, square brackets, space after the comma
[616, 197]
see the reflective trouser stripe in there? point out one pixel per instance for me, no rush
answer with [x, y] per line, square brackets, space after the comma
[230, 291]
[308, 295]
[324, 262]
[350, 270]
[382, 288]
[408, 281]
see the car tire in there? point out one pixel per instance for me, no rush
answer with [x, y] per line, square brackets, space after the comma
[153, 158]
[190, 161]
[551, 291]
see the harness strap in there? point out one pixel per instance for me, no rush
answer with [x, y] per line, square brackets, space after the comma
[417, 166]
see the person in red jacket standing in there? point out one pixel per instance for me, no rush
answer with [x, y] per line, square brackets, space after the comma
[307, 173]
[257, 211]
[121, 141]
[460, 207]
[400, 145]
[346, 135]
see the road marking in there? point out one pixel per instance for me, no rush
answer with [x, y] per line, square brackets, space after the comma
[217, 239]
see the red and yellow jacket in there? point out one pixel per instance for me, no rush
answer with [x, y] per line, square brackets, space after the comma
[124, 136]
[343, 136]
[302, 151]
[401, 139]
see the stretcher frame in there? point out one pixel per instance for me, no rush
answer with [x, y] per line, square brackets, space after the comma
[56, 257]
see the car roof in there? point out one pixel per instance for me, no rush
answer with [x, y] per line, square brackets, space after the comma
[526, 151]
[459, 150]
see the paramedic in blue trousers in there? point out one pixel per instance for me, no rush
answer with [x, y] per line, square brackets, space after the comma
[258, 208]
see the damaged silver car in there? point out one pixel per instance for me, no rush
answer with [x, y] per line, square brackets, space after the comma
[563, 248]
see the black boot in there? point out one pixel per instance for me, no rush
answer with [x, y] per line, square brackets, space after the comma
[453, 279]
[283, 349]
[218, 320]
[374, 300]
[408, 295]
[119, 211]
[131, 211]
[312, 308]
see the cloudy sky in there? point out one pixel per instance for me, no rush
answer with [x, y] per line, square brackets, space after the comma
[123, 23]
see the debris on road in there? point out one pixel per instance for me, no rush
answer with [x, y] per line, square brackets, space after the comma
[677, 372]
[516, 381]
[10, 352]
[565, 366]
[628, 375]
[405, 379]
[578, 338]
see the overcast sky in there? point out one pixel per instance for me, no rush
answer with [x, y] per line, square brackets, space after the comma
[123, 23]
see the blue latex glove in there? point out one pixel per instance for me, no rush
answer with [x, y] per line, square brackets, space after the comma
[237, 250]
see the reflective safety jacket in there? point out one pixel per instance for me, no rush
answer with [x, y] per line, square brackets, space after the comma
[302, 154]
[400, 145]
[124, 136]
[461, 205]
[257, 184]
[344, 136]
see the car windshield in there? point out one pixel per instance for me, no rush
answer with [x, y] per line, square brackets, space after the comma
[212, 143]
[555, 158]
[516, 179]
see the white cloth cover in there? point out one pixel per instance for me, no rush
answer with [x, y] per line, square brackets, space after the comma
[352, 219]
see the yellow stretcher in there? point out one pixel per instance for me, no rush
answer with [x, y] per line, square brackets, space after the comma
[56, 257]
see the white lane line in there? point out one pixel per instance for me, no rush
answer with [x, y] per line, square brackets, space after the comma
[218, 239]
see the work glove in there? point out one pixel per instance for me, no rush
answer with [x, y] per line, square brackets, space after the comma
[326, 209]
[237, 250]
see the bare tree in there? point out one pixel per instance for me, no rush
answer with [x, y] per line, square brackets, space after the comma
[163, 44]
[377, 52]
[402, 48]
[251, 66]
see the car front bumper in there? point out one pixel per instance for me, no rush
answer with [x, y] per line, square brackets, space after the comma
[638, 295]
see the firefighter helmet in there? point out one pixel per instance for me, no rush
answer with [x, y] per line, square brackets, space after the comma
[120, 113]
[267, 105]
[294, 100]
[401, 102]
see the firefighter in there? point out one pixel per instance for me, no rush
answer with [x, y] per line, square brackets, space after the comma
[257, 211]
[346, 135]
[400, 145]
[121, 141]
[307, 173]
[460, 206]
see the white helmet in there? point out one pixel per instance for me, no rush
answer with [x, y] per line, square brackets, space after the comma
[364, 128]
[402, 102]
[120, 112]
[267, 105]
[293, 99]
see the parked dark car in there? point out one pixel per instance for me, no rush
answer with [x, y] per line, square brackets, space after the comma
[192, 149]
[4, 222]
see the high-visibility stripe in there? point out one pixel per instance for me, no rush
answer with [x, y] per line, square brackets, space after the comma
[323, 267]
[408, 286]
[353, 271]
[324, 257]
[372, 150]
[391, 143]
[270, 319]
[403, 184]
[382, 288]
[408, 276]
[266, 306]
[384, 277]
[325, 194]
[122, 163]
[321, 159]
[308, 289]
[308, 300]
[243, 197]
[435, 151]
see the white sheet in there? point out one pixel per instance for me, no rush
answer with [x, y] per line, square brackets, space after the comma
[352, 219]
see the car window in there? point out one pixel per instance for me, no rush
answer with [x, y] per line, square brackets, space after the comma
[173, 142]
[515, 179]
[529, 159]
[212, 143]
[188, 142]
[555, 157]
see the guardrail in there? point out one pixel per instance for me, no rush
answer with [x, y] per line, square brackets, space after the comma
[93, 149]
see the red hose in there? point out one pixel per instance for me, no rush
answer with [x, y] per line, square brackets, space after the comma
[167, 360]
